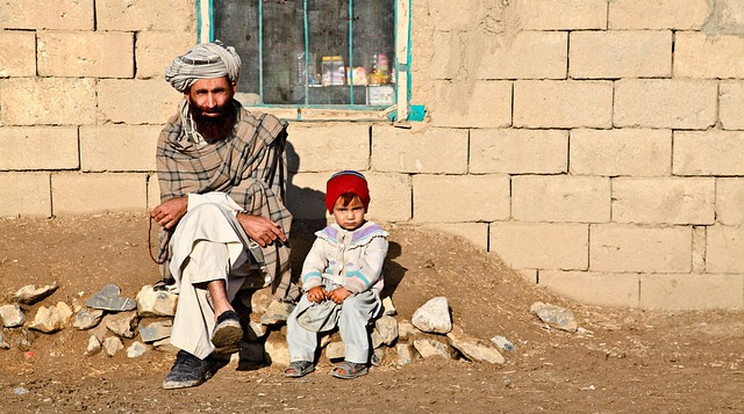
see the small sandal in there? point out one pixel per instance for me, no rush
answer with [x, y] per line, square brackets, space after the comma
[349, 370]
[297, 369]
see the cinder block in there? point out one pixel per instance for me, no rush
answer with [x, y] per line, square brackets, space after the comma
[154, 51]
[458, 198]
[543, 246]
[562, 14]
[730, 101]
[563, 104]
[620, 54]
[25, 194]
[61, 14]
[96, 193]
[700, 55]
[713, 152]
[475, 233]
[447, 52]
[528, 55]
[699, 236]
[420, 150]
[391, 197]
[47, 101]
[134, 101]
[306, 195]
[601, 289]
[665, 103]
[561, 198]
[725, 247]
[658, 14]
[153, 192]
[663, 200]
[730, 201]
[480, 104]
[93, 54]
[140, 15]
[628, 248]
[118, 147]
[691, 292]
[518, 151]
[29, 148]
[615, 152]
[344, 146]
[17, 53]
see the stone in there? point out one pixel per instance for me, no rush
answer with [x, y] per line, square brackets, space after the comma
[122, 324]
[335, 351]
[277, 313]
[387, 327]
[52, 319]
[87, 319]
[376, 339]
[503, 343]
[255, 331]
[20, 391]
[152, 302]
[12, 316]
[94, 346]
[406, 330]
[112, 345]
[377, 357]
[277, 352]
[110, 299]
[260, 300]
[30, 294]
[100, 332]
[433, 316]
[388, 308]
[472, 348]
[3, 344]
[164, 345]
[555, 316]
[431, 348]
[76, 305]
[156, 331]
[25, 341]
[405, 354]
[137, 349]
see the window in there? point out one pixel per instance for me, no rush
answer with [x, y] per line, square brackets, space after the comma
[317, 58]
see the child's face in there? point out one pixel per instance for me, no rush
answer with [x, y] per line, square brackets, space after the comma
[349, 216]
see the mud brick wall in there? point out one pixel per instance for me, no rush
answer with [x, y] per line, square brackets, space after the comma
[595, 145]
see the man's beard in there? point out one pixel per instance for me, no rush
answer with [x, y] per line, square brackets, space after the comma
[213, 127]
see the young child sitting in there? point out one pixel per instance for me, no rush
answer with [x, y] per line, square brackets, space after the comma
[342, 280]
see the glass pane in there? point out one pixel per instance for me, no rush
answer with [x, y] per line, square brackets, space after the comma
[329, 76]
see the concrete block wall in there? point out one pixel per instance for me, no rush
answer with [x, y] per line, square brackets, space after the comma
[595, 145]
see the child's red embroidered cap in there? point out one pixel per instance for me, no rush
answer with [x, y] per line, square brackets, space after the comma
[346, 182]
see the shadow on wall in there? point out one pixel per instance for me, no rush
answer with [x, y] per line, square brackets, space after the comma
[303, 230]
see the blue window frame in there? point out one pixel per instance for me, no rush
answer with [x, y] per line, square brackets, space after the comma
[317, 59]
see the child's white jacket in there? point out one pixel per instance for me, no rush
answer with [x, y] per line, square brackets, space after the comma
[352, 259]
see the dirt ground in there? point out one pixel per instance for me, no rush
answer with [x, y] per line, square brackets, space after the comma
[623, 361]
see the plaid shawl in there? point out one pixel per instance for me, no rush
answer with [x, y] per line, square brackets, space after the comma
[249, 165]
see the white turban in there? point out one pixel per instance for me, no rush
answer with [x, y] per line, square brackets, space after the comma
[203, 61]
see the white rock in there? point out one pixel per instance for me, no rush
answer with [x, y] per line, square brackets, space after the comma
[87, 318]
[474, 349]
[555, 316]
[335, 351]
[52, 319]
[112, 345]
[387, 327]
[156, 331]
[94, 346]
[430, 348]
[277, 352]
[433, 316]
[405, 354]
[30, 294]
[136, 349]
[388, 308]
[12, 316]
[152, 302]
[121, 324]
[164, 345]
[406, 330]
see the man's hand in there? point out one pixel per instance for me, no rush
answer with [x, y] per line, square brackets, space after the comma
[170, 212]
[260, 229]
[317, 294]
[339, 295]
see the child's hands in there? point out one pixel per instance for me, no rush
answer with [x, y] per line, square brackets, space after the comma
[317, 294]
[338, 295]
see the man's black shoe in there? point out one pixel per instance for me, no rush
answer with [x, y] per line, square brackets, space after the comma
[189, 371]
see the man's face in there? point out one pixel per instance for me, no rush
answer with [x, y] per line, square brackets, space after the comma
[208, 98]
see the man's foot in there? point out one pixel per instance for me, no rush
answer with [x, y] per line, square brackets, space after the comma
[349, 370]
[298, 369]
[227, 333]
[188, 371]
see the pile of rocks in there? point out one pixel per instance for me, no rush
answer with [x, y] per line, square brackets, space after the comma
[116, 322]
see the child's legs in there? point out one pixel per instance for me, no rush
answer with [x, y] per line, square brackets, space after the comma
[356, 312]
[301, 342]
